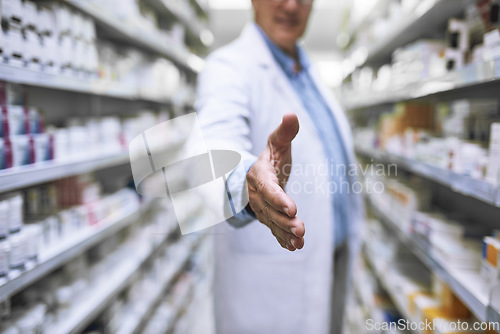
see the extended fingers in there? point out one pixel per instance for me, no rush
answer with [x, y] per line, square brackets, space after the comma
[269, 189]
[284, 228]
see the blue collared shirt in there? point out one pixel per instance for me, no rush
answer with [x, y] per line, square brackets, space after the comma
[324, 122]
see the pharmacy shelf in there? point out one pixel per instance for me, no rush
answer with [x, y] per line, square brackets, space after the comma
[202, 7]
[493, 315]
[25, 76]
[424, 20]
[465, 283]
[384, 277]
[72, 248]
[367, 305]
[137, 36]
[459, 183]
[84, 311]
[471, 76]
[29, 175]
[29, 77]
[180, 307]
[376, 9]
[135, 324]
[191, 23]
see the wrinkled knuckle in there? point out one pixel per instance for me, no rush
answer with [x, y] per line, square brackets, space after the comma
[267, 210]
[261, 185]
[252, 199]
[261, 217]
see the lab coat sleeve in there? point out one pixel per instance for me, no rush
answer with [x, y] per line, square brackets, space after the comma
[224, 111]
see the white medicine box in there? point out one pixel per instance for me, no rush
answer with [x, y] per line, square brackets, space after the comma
[47, 21]
[32, 47]
[50, 54]
[493, 169]
[12, 11]
[66, 49]
[14, 45]
[30, 12]
[63, 19]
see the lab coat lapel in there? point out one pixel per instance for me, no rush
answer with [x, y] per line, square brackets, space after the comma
[251, 36]
[280, 82]
[336, 109]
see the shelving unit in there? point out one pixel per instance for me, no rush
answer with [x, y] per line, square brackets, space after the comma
[40, 79]
[124, 268]
[463, 184]
[478, 79]
[136, 36]
[201, 7]
[29, 175]
[193, 26]
[471, 76]
[182, 305]
[94, 86]
[45, 80]
[72, 248]
[383, 276]
[427, 16]
[87, 309]
[135, 324]
[375, 10]
[463, 282]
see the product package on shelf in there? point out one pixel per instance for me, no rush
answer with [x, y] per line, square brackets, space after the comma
[466, 54]
[37, 221]
[405, 115]
[12, 11]
[45, 306]
[59, 41]
[29, 142]
[493, 169]
[450, 239]
[471, 119]
[490, 268]
[450, 136]
[489, 11]
[420, 295]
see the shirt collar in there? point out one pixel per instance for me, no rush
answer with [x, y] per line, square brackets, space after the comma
[286, 62]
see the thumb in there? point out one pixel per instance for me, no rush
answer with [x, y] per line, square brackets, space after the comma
[284, 134]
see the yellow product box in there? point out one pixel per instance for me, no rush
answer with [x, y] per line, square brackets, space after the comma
[425, 305]
[412, 291]
[490, 267]
[451, 305]
[442, 323]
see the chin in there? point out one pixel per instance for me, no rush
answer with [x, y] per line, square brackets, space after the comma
[289, 36]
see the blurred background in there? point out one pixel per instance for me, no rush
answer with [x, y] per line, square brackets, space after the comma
[80, 251]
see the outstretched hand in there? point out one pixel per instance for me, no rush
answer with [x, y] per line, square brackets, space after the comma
[266, 181]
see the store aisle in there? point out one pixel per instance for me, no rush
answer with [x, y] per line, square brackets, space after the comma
[93, 202]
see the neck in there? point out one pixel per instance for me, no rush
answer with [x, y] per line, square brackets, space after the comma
[289, 49]
[293, 53]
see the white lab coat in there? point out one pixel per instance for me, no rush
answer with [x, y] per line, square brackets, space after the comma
[260, 288]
